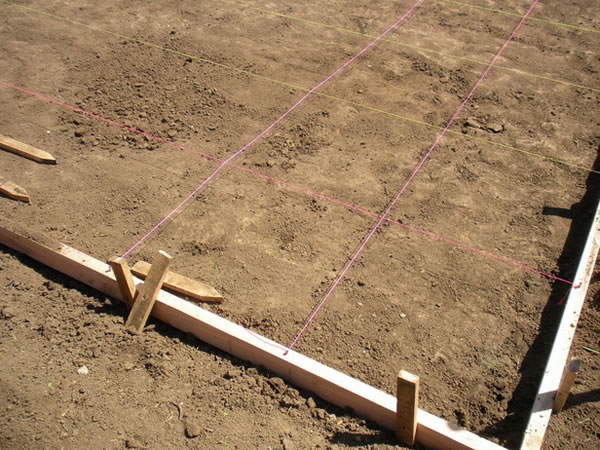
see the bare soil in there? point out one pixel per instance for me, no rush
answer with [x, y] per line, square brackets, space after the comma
[168, 84]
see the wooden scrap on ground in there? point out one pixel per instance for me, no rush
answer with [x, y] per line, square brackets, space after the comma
[182, 285]
[331, 385]
[13, 190]
[144, 301]
[26, 150]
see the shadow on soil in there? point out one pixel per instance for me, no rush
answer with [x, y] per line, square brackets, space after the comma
[511, 429]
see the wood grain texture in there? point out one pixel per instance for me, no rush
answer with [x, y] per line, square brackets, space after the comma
[124, 279]
[26, 150]
[328, 383]
[144, 301]
[183, 285]
[407, 407]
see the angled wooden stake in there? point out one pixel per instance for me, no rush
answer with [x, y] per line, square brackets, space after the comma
[26, 150]
[13, 191]
[407, 407]
[183, 285]
[124, 279]
[144, 301]
[566, 384]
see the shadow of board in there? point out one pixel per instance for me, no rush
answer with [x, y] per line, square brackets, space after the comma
[511, 429]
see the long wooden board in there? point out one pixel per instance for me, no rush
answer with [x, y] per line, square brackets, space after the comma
[26, 150]
[544, 401]
[183, 285]
[330, 384]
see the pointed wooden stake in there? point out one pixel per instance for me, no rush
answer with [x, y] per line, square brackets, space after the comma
[407, 407]
[144, 301]
[566, 384]
[13, 191]
[124, 279]
[182, 285]
[26, 150]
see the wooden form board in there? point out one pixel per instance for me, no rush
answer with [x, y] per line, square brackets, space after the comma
[328, 383]
[544, 400]
[26, 151]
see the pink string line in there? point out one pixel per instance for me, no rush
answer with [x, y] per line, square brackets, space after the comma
[264, 340]
[266, 130]
[104, 119]
[291, 185]
[408, 181]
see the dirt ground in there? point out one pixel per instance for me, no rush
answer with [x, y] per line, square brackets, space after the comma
[170, 86]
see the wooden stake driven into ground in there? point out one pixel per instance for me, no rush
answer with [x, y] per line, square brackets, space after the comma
[407, 407]
[183, 285]
[124, 279]
[26, 151]
[566, 384]
[144, 301]
[328, 383]
[13, 191]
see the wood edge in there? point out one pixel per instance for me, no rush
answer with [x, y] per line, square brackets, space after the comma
[407, 407]
[124, 279]
[541, 410]
[333, 386]
[145, 300]
[14, 191]
[566, 384]
[141, 268]
[26, 150]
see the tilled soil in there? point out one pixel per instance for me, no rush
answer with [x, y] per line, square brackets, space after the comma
[145, 103]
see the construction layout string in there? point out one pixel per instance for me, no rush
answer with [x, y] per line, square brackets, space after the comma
[351, 102]
[266, 130]
[287, 184]
[408, 181]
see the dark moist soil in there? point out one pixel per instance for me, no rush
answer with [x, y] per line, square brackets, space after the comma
[202, 79]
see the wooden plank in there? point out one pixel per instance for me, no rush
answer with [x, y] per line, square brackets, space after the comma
[124, 279]
[144, 302]
[566, 384]
[25, 150]
[544, 400]
[183, 285]
[328, 383]
[13, 190]
[407, 407]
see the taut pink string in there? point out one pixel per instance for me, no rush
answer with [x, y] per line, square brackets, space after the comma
[410, 178]
[266, 130]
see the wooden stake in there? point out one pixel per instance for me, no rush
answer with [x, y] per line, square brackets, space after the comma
[566, 384]
[328, 383]
[26, 150]
[124, 279]
[407, 407]
[145, 300]
[183, 285]
[13, 191]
